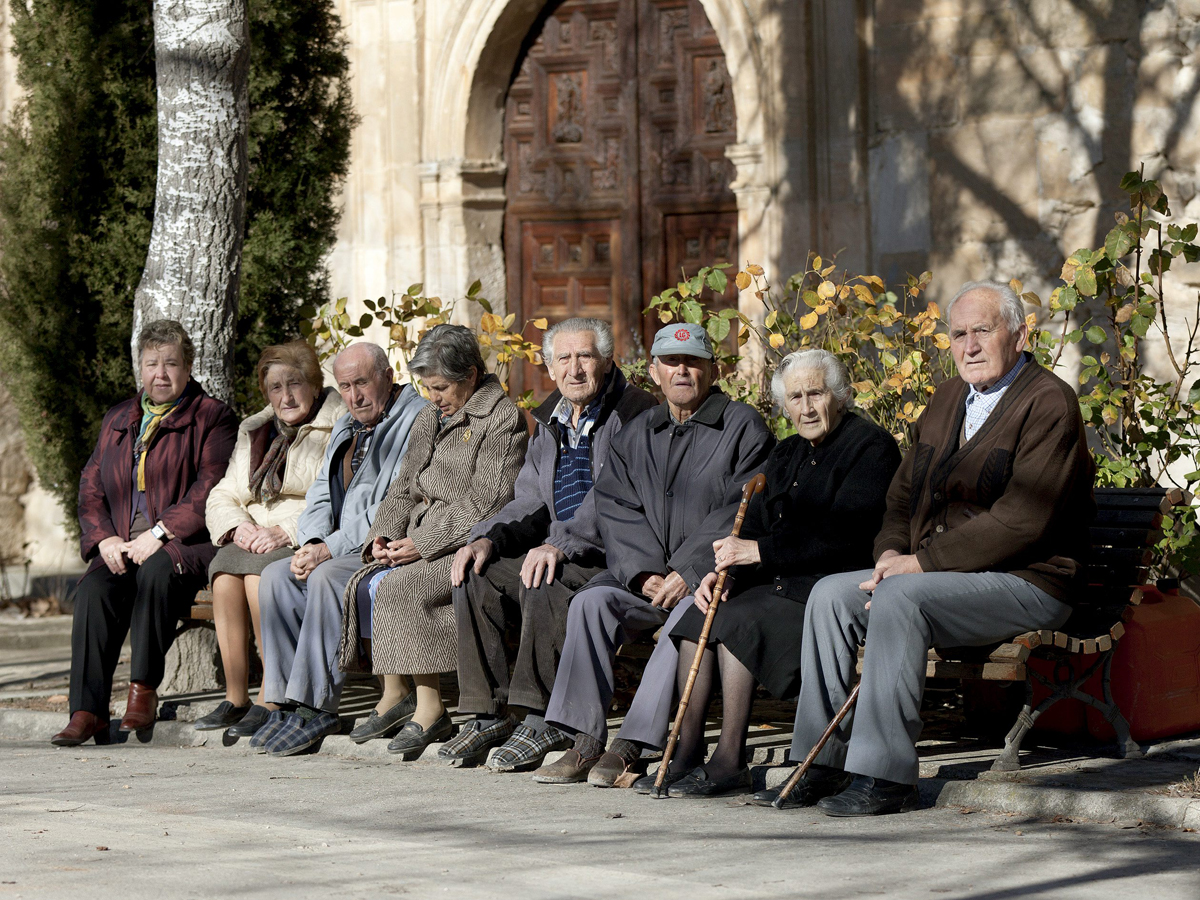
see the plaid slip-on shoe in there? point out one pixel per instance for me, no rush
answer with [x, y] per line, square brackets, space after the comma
[296, 738]
[275, 721]
[526, 749]
[474, 740]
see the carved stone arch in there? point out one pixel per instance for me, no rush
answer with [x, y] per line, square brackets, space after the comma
[462, 146]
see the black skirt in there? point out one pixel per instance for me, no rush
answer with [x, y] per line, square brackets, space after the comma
[762, 628]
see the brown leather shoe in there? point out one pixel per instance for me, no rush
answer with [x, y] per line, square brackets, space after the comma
[571, 768]
[609, 769]
[142, 708]
[83, 725]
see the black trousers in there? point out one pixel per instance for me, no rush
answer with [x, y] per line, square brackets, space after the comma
[483, 605]
[146, 603]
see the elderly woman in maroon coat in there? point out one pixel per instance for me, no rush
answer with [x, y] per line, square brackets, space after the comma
[141, 516]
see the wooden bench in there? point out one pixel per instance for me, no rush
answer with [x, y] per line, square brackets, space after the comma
[1127, 527]
[202, 606]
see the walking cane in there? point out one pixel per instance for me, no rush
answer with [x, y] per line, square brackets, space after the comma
[817, 747]
[754, 486]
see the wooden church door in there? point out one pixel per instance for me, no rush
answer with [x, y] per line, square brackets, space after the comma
[616, 125]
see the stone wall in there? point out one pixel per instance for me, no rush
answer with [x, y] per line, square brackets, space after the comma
[999, 131]
[976, 138]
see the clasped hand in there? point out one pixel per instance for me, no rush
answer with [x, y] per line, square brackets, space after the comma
[395, 553]
[664, 590]
[258, 539]
[891, 562]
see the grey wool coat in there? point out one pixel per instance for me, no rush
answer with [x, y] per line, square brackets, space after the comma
[451, 478]
[669, 491]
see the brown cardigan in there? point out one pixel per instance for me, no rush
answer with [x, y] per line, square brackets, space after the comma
[1015, 498]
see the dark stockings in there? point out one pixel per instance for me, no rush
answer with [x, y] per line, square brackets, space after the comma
[737, 691]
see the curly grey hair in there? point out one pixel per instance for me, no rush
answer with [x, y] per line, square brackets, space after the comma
[1011, 309]
[837, 377]
[162, 332]
[601, 329]
[451, 351]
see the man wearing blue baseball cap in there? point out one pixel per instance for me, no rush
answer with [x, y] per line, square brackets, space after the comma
[671, 488]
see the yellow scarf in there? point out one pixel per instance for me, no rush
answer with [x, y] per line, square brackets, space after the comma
[152, 416]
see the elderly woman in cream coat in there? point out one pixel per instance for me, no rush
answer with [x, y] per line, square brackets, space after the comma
[463, 457]
[252, 512]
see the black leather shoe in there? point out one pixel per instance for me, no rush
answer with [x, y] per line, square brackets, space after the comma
[254, 719]
[386, 724]
[413, 739]
[818, 782]
[871, 797]
[645, 784]
[222, 717]
[697, 784]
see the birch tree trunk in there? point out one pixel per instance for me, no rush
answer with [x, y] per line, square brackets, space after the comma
[193, 266]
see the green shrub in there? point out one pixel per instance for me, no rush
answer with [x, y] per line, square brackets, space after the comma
[77, 173]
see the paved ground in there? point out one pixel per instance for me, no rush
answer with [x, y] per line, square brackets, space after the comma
[180, 813]
[135, 821]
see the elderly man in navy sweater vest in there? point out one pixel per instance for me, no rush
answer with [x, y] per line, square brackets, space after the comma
[528, 561]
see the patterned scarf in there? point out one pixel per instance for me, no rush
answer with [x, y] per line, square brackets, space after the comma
[266, 482]
[152, 416]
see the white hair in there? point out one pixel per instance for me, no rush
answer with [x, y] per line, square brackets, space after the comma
[1011, 309]
[378, 356]
[837, 377]
[601, 329]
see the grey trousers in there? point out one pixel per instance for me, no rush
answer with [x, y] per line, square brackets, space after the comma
[302, 627]
[600, 620]
[908, 615]
[483, 606]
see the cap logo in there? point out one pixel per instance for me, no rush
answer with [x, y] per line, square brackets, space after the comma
[683, 335]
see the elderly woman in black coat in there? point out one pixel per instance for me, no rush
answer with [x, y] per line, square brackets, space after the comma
[824, 499]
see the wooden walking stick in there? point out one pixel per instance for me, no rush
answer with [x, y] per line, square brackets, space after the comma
[817, 747]
[753, 486]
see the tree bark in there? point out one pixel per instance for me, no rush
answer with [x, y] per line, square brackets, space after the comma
[193, 266]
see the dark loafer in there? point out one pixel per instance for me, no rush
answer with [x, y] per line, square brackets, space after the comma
[871, 797]
[141, 709]
[413, 739]
[385, 725]
[82, 727]
[302, 733]
[223, 716]
[571, 768]
[818, 782]
[254, 719]
[645, 784]
[276, 721]
[697, 784]
[473, 742]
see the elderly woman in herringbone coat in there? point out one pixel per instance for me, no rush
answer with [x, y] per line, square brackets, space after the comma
[462, 462]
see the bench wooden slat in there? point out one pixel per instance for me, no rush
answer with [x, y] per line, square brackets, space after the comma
[1129, 518]
[1117, 557]
[1124, 537]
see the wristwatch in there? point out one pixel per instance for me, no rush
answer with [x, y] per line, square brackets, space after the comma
[159, 532]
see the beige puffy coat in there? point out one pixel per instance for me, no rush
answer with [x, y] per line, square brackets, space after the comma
[230, 504]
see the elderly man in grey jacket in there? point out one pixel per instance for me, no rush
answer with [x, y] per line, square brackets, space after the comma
[670, 489]
[528, 561]
[301, 599]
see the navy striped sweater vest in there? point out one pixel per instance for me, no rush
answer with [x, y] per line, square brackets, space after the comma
[572, 477]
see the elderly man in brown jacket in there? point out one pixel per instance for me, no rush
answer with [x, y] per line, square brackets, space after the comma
[983, 538]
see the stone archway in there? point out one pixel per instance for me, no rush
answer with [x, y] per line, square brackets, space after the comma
[462, 176]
